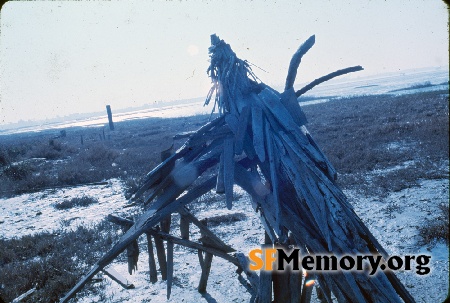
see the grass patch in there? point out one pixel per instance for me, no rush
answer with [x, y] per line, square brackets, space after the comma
[51, 262]
[357, 134]
[436, 230]
[76, 202]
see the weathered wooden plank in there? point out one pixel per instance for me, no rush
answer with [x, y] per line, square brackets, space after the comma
[184, 227]
[252, 276]
[295, 285]
[127, 223]
[265, 281]
[273, 104]
[185, 175]
[258, 132]
[307, 288]
[195, 245]
[161, 255]
[117, 277]
[165, 224]
[289, 100]
[249, 149]
[155, 174]
[218, 132]
[267, 227]
[272, 155]
[133, 248]
[228, 170]
[132, 256]
[220, 186]
[206, 269]
[24, 295]
[206, 264]
[169, 268]
[242, 130]
[233, 122]
[151, 260]
[281, 287]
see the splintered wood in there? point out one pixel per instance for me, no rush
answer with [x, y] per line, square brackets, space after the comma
[259, 142]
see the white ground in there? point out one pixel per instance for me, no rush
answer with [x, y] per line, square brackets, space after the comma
[393, 220]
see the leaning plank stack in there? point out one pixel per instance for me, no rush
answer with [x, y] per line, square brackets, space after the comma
[259, 142]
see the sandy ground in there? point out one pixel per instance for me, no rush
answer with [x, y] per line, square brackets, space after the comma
[393, 220]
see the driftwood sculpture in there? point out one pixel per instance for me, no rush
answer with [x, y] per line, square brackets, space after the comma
[259, 142]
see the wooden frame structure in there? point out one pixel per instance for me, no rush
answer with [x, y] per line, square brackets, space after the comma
[259, 142]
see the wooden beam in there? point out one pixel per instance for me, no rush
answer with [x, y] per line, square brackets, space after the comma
[184, 227]
[23, 296]
[205, 264]
[161, 255]
[169, 268]
[151, 260]
[205, 272]
[252, 276]
[265, 281]
[208, 238]
[117, 277]
[195, 245]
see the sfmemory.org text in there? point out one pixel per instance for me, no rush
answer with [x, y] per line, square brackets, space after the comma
[280, 259]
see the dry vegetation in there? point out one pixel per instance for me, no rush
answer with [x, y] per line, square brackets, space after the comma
[359, 135]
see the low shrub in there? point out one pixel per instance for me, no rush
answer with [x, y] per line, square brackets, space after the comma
[4, 158]
[53, 263]
[436, 229]
[17, 172]
[77, 201]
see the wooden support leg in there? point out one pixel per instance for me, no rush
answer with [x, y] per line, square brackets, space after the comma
[307, 289]
[265, 277]
[281, 290]
[165, 224]
[169, 267]
[184, 227]
[161, 254]
[281, 285]
[132, 256]
[151, 260]
[206, 268]
[205, 263]
[295, 286]
[295, 280]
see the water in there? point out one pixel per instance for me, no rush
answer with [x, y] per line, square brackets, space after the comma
[340, 87]
[383, 83]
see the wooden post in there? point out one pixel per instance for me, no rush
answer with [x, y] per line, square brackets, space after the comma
[205, 263]
[307, 289]
[161, 254]
[169, 267]
[265, 277]
[295, 279]
[165, 224]
[281, 286]
[108, 111]
[184, 227]
[115, 276]
[151, 260]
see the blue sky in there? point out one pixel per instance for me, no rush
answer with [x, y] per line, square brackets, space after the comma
[59, 58]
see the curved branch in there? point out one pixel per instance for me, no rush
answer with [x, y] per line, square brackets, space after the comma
[328, 77]
[295, 61]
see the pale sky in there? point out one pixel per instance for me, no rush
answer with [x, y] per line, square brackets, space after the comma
[59, 58]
